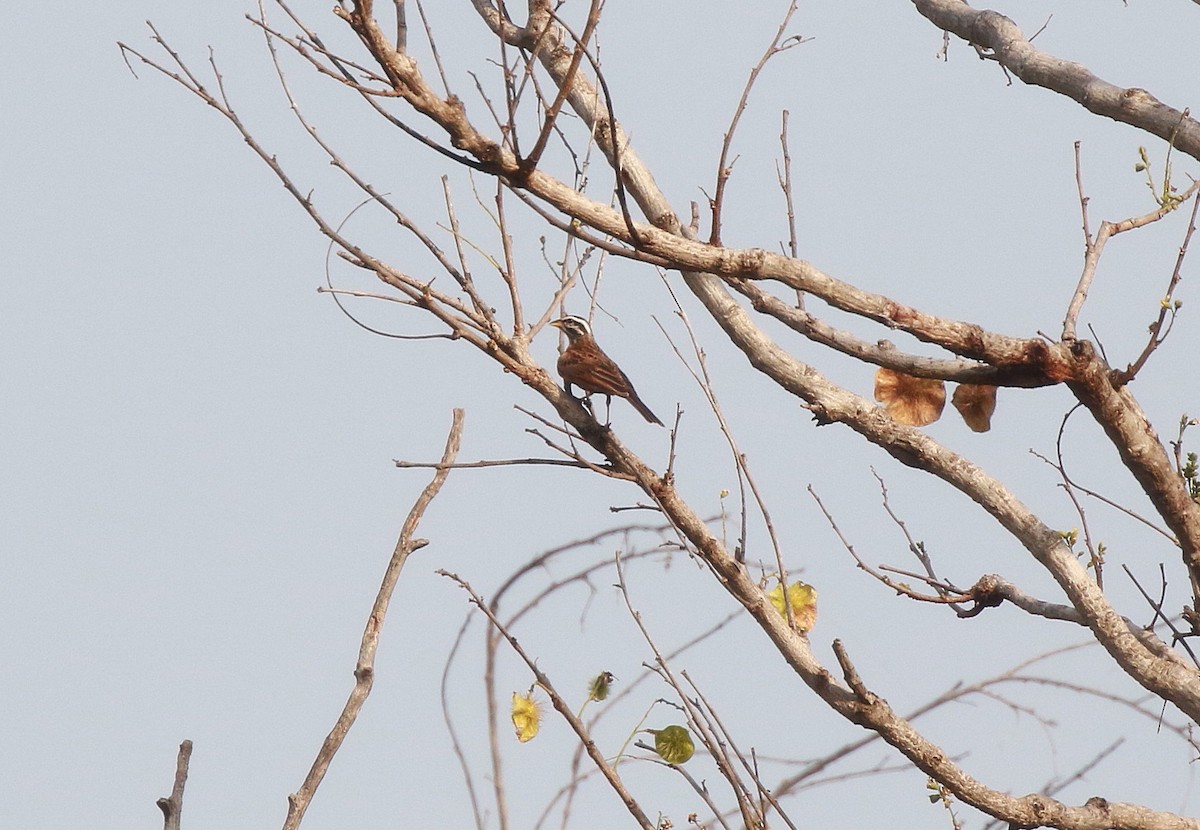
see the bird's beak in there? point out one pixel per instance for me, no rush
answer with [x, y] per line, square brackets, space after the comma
[556, 323]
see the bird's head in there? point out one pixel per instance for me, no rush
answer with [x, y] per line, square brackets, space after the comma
[573, 327]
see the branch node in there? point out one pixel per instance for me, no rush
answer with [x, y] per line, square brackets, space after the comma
[851, 676]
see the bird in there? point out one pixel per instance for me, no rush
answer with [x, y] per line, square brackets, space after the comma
[584, 364]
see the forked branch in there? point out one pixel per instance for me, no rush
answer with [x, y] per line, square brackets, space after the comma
[172, 806]
[364, 669]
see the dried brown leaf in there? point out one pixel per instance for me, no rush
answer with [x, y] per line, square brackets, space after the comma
[975, 403]
[909, 400]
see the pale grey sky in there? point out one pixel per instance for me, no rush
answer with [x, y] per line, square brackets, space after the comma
[199, 498]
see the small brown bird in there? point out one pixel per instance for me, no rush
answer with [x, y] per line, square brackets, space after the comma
[585, 365]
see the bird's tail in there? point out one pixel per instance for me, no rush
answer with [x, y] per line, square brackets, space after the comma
[643, 409]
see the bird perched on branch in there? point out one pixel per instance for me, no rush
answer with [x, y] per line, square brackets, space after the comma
[584, 364]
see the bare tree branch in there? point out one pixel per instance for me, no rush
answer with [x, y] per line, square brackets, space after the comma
[561, 706]
[1004, 42]
[723, 279]
[172, 806]
[364, 670]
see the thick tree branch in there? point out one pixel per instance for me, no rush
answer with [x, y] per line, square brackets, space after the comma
[817, 330]
[1141, 450]
[1007, 44]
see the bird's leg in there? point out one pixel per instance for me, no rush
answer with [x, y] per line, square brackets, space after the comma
[586, 400]
[607, 410]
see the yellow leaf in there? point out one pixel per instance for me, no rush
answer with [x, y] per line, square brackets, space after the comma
[803, 599]
[909, 400]
[673, 744]
[526, 716]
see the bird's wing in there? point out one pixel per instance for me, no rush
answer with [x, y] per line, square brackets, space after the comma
[608, 379]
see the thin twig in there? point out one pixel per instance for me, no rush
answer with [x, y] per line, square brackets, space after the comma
[944, 595]
[725, 166]
[443, 688]
[786, 185]
[560, 705]
[1092, 256]
[1168, 307]
[1083, 198]
[501, 462]
[1156, 605]
[509, 272]
[1099, 497]
[564, 86]
[917, 549]
[745, 476]
[750, 764]
[690, 708]
[1095, 552]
